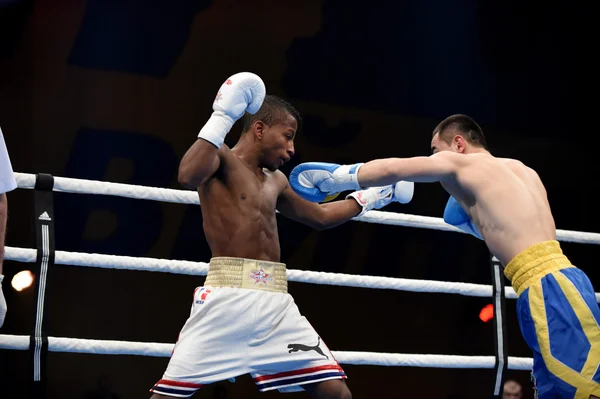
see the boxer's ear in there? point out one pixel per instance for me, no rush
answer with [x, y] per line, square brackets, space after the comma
[259, 128]
[460, 144]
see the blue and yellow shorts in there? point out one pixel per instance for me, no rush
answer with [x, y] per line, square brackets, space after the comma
[559, 319]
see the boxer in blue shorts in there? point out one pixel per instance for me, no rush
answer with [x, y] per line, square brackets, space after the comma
[504, 203]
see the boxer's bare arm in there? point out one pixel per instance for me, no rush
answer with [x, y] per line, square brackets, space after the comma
[199, 163]
[317, 216]
[429, 169]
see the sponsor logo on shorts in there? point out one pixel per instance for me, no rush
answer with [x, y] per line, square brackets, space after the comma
[202, 294]
[306, 348]
[260, 276]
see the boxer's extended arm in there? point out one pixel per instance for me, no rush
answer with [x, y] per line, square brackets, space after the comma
[416, 169]
[317, 216]
[293, 205]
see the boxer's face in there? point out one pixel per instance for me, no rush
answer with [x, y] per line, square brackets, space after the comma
[438, 144]
[277, 143]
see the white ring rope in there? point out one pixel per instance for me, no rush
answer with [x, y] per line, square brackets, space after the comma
[28, 255]
[56, 344]
[79, 186]
[105, 347]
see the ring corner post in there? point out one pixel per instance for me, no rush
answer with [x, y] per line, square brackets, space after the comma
[500, 341]
[44, 228]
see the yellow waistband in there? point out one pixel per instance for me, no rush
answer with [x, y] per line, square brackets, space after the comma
[247, 273]
[534, 263]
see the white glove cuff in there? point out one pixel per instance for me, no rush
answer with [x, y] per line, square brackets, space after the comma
[373, 198]
[346, 177]
[361, 202]
[216, 128]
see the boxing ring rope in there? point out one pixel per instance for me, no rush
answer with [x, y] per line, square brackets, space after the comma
[28, 255]
[79, 186]
[76, 345]
[105, 347]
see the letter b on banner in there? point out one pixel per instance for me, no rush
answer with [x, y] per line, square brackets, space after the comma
[135, 224]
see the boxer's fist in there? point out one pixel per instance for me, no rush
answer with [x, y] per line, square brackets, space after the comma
[242, 92]
[455, 215]
[314, 181]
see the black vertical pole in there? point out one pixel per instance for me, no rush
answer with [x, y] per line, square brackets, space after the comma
[44, 227]
[501, 350]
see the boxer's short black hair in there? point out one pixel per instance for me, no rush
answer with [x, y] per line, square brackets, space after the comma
[272, 111]
[465, 126]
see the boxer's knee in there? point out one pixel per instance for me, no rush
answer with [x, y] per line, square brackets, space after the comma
[341, 391]
[344, 393]
[332, 389]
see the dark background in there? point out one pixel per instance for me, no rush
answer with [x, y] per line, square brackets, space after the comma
[117, 90]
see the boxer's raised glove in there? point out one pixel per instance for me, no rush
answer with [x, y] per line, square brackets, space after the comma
[455, 215]
[378, 197]
[242, 92]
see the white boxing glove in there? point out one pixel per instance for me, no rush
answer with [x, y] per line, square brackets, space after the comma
[378, 197]
[242, 92]
[2, 303]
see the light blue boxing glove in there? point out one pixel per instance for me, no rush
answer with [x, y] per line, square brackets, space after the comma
[455, 215]
[315, 181]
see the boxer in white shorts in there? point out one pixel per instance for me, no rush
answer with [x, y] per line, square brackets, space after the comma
[243, 320]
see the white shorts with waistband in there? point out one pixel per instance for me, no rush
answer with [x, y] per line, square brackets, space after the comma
[236, 331]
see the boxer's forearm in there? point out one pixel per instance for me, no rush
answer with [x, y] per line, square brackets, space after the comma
[3, 217]
[338, 212]
[380, 172]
